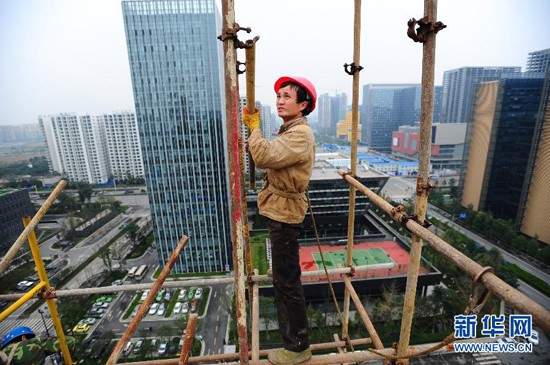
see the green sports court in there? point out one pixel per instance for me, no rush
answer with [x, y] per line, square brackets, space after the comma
[371, 256]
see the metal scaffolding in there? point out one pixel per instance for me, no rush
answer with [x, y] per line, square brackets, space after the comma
[426, 34]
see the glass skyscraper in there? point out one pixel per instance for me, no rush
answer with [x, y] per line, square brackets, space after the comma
[176, 67]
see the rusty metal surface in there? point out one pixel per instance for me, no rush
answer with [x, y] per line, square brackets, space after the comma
[501, 289]
[188, 340]
[251, 104]
[235, 185]
[363, 314]
[148, 300]
[255, 309]
[224, 357]
[424, 28]
[353, 161]
[423, 180]
[32, 225]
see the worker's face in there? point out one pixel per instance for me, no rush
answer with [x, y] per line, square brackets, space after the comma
[287, 106]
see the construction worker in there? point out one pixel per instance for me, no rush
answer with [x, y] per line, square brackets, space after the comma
[289, 162]
[21, 347]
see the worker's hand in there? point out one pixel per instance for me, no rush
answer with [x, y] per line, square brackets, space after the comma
[251, 120]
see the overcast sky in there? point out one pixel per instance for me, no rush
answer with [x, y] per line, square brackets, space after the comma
[71, 56]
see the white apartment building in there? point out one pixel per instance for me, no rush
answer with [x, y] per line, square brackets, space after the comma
[122, 143]
[92, 148]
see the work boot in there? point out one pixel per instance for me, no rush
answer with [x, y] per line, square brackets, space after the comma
[269, 273]
[285, 357]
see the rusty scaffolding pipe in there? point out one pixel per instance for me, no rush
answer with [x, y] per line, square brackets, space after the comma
[148, 300]
[188, 283]
[188, 341]
[229, 30]
[263, 353]
[501, 289]
[353, 157]
[32, 225]
[423, 178]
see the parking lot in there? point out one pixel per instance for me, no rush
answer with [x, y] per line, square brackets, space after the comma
[169, 304]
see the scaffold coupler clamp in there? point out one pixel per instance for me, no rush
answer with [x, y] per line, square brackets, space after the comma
[348, 173]
[239, 71]
[47, 293]
[424, 27]
[426, 223]
[421, 188]
[477, 301]
[351, 271]
[395, 347]
[231, 33]
[351, 68]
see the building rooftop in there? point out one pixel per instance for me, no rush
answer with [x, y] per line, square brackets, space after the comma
[323, 170]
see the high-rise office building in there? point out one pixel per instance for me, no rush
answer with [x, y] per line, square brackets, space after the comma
[93, 148]
[506, 163]
[323, 120]
[538, 61]
[345, 127]
[176, 68]
[330, 110]
[14, 205]
[386, 107]
[459, 87]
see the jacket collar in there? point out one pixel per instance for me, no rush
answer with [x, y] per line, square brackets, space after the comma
[286, 126]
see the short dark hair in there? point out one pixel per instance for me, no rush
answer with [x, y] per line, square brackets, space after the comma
[302, 95]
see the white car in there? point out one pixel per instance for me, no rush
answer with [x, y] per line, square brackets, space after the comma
[182, 295]
[134, 312]
[168, 296]
[161, 309]
[89, 320]
[153, 308]
[198, 293]
[534, 339]
[185, 308]
[177, 308]
[507, 340]
[143, 296]
[162, 348]
[101, 305]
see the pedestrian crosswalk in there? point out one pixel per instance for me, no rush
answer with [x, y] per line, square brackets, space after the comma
[486, 358]
[36, 324]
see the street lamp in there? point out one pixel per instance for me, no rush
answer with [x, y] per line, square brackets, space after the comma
[45, 325]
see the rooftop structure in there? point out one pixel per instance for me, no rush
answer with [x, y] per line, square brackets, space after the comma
[538, 61]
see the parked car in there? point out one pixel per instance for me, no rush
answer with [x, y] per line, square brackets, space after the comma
[154, 308]
[100, 349]
[507, 340]
[96, 312]
[143, 296]
[104, 300]
[137, 347]
[128, 348]
[198, 293]
[182, 294]
[161, 309]
[185, 308]
[89, 347]
[81, 328]
[168, 296]
[154, 343]
[23, 285]
[160, 295]
[194, 307]
[534, 339]
[177, 308]
[191, 293]
[101, 305]
[162, 348]
[90, 320]
[134, 312]
[117, 282]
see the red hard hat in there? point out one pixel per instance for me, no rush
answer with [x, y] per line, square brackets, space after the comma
[302, 81]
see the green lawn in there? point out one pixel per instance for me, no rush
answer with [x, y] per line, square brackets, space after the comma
[257, 248]
[371, 256]
[204, 300]
[132, 306]
[172, 303]
[190, 275]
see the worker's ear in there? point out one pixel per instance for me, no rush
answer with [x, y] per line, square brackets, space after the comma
[303, 105]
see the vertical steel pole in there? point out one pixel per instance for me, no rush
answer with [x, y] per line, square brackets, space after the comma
[235, 186]
[354, 128]
[423, 179]
[51, 303]
[250, 103]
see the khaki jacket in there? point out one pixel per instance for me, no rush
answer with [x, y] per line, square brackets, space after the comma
[289, 162]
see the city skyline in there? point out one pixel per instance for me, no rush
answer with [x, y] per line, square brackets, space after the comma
[76, 65]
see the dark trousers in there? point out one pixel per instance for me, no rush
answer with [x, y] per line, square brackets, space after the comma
[289, 294]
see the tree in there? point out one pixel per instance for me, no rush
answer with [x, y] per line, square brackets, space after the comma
[266, 312]
[132, 232]
[165, 331]
[119, 256]
[452, 181]
[105, 254]
[85, 193]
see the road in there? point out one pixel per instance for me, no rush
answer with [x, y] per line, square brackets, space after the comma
[439, 214]
[534, 294]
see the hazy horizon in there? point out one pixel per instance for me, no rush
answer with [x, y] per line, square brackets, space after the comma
[67, 56]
